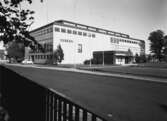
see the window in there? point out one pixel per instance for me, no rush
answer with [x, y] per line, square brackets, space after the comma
[63, 30]
[89, 35]
[57, 29]
[115, 40]
[74, 32]
[47, 56]
[79, 33]
[79, 48]
[69, 31]
[93, 35]
[84, 34]
[48, 31]
[111, 40]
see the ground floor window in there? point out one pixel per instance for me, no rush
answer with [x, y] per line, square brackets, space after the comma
[79, 48]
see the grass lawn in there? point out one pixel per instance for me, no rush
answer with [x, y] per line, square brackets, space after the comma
[145, 69]
[133, 70]
[125, 99]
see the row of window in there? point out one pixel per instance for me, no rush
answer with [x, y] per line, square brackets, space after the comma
[66, 40]
[41, 56]
[69, 31]
[45, 39]
[48, 47]
[42, 32]
[50, 56]
[117, 40]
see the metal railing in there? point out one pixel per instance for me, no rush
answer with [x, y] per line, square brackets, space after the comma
[59, 108]
[43, 103]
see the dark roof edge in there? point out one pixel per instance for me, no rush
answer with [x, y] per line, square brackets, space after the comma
[91, 27]
[137, 39]
[59, 21]
[42, 27]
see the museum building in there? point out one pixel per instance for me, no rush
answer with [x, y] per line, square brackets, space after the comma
[82, 42]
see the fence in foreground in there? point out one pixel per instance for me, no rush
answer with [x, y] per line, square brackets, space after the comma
[59, 108]
[26, 100]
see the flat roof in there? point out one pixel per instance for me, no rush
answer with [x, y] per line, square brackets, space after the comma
[86, 27]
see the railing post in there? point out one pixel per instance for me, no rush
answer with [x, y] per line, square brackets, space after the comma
[46, 104]
[84, 115]
[51, 106]
[64, 111]
[55, 108]
[70, 112]
[76, 113]
[59, 109]
[93, 117]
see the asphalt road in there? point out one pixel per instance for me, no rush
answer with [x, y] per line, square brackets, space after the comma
[125, 99]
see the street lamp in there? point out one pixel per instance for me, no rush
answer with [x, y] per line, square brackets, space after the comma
[103, 56]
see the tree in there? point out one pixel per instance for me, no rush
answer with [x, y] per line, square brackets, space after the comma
[165, 48]
[129, 55]
[140, 58]
[15, 50]
[143, 58]
[137, 58]
[15, 21]
[157, 43]
[58, 55]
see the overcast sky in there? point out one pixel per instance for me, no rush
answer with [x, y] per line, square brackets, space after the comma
[134, 17]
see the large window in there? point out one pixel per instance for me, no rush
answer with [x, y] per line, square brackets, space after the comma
[74, 32]
[84, 34]
[63, 30]
[69, 31]
[57, 29]
[79, 33]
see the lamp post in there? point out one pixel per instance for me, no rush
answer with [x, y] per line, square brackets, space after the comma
[75, 47]
[103, 56]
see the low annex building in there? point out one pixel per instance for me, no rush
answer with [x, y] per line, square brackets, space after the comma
[81, 42]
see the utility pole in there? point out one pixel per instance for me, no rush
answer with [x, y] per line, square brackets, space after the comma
[45, 4]
[103, 57]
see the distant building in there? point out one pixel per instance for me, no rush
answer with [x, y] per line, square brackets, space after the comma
[81, 42]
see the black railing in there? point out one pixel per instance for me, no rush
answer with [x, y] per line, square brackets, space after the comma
[58, 108]
[26, 100]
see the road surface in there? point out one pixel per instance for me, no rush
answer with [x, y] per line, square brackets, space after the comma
[122, 99]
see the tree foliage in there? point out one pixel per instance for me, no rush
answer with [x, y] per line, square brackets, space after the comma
[157, 43]
[58, 55]
[16, 51]
[140, 58]
[15, 21]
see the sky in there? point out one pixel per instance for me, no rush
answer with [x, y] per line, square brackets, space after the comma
[134, 17]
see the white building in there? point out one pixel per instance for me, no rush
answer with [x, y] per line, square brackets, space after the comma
[81, 42]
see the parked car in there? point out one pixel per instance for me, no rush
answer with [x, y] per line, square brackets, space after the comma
[27, 61]
[4, 61]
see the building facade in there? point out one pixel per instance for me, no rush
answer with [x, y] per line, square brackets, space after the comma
[81, 42]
